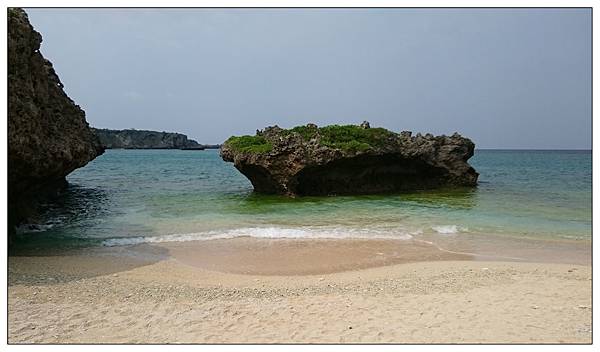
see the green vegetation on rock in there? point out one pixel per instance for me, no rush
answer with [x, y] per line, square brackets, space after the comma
[251, 144]
[354, 138]
[306, 132]
[350, 138]
[346, 137]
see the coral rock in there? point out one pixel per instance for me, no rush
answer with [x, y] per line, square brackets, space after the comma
[48, 136]
[308, 160]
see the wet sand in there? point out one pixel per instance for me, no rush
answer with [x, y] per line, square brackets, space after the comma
[254, 256]
[267, 291]
[301, 257]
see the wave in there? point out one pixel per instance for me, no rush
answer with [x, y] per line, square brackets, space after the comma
[449, 229]
[268, 232]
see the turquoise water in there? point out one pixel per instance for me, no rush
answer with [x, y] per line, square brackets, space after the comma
[136, 196]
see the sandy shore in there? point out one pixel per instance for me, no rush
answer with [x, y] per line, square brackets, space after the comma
[301, 257]
[266, 292]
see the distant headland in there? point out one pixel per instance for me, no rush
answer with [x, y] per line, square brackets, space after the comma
[144, 139]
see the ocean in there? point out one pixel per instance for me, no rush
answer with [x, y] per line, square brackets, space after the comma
[128, 197]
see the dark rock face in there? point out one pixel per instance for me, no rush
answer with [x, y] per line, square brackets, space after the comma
[48, 136]
[139, 139]
[308, 160]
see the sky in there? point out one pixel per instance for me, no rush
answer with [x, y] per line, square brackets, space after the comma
[506, 78]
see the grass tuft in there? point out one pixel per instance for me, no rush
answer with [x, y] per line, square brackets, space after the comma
[354, 138]
[250, 144]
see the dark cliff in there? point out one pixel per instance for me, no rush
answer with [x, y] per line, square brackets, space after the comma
[308, 160]
[140, 139]
[48, 136]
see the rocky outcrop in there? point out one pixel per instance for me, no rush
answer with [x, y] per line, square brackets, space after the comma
[139, 139]
[48, 136]
[308, 160]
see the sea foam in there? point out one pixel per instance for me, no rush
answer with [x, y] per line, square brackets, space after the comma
[449, 229]
[269, 232]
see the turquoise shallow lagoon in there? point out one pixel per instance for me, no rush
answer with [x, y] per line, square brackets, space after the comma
[148, 196]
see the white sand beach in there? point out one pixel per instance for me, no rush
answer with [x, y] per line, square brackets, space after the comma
[167, 296]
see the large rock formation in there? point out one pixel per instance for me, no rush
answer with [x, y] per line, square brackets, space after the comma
[308, 160]
[140, 139]
[48, 136]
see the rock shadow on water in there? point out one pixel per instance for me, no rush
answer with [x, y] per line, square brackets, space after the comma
[452, 198]
[46, 230]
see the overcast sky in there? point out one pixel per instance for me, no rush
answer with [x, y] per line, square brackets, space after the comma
[504, 78]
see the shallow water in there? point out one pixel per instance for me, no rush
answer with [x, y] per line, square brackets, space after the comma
[136, 196]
